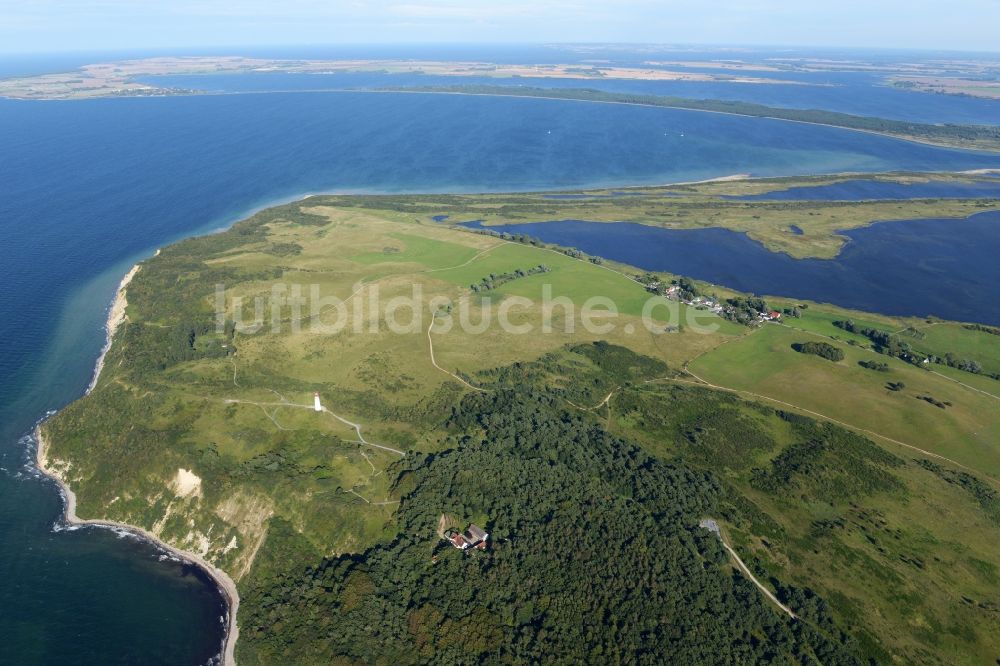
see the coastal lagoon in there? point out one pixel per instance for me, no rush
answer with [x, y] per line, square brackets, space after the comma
[92, 186]
[946, 268]
[862, 189]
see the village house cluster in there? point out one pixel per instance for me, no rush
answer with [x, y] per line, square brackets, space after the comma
[673, 292]
[676, 292]
[684, 291]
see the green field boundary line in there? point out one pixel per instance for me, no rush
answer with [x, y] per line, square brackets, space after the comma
[546, 249]
[960, 383]
[701, 382]
[628, 277]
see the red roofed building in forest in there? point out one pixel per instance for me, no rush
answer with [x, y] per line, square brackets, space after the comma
[474, 537]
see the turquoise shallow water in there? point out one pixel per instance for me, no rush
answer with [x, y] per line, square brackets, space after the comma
[88, 187]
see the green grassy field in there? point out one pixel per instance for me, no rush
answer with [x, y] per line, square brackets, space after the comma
[417, 249]
[942, 338]
[765, 364]
[819, 320]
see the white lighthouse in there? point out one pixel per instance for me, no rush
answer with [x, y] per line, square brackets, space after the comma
[316, 403]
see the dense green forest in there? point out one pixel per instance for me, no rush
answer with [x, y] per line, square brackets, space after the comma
[979, 136]
[595, 554]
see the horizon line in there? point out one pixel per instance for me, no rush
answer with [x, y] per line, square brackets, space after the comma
[679, 46]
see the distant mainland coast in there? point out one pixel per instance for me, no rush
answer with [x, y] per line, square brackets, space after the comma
[117, 79]
[131, 78]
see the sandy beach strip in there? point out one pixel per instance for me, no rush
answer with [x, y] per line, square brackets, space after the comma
[116, 316]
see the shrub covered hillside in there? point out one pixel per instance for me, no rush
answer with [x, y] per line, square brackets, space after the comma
[595, 554]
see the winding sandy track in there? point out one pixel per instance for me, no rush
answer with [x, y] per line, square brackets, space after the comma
[351, 424]
[746, 572]
[712, 526]
[430, 347]
[603, 402]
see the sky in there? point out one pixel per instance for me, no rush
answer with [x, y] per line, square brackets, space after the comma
[43, 26]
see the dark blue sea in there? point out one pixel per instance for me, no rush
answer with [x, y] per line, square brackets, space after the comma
[89, 187]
